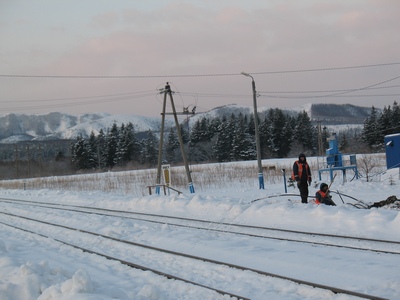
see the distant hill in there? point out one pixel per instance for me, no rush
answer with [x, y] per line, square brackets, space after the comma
[338, 114]
[53, 126]
[328, 114]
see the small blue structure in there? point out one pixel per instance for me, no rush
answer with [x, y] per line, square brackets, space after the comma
[334, 157]
[334, 161]
[392, 145]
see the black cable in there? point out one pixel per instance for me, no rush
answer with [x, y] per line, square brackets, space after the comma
[78, 98]
[76, 103]
[194, 75]
[324, 91]
[325, 69]
[351, 90]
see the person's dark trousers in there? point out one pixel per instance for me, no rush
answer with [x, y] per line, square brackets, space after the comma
[303, 187]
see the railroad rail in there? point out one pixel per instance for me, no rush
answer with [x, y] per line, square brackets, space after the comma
[341, 241]
[121, 214]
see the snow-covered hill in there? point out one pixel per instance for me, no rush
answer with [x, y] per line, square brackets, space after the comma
[22, 127]
[56, 125]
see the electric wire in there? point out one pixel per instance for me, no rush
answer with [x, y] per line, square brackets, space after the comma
[78, 98]
[195, 75]
[326, 69]
[347, 91]
[265, 94]
[324, 91]
[325, 96]
[95, 101]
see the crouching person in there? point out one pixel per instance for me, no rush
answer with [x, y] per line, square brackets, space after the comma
[323, 196]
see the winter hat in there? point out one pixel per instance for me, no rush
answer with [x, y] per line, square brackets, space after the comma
[322, 186]
[302, 155]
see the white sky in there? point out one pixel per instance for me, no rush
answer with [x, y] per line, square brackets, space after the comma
[157, 41]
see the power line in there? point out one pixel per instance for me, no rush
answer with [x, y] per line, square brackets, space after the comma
[95, 101]
[80, 97]
[194, 75]
[115, 76]
[324, 91]
[324, 96]
[345, 91]
[326, 69]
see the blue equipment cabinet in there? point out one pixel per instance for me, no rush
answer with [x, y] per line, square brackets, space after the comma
[333, 156]
[334, 161]
[392, 145]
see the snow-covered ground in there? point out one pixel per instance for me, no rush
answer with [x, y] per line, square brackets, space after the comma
[34, 267]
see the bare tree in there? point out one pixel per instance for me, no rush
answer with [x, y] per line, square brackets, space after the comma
[366, 164]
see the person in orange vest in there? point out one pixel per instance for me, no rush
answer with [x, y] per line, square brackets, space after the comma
[323, 196]
[302, 175]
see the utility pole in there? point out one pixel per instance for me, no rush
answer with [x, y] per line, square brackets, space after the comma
[258, 146]
[167, 91]
[160, 145]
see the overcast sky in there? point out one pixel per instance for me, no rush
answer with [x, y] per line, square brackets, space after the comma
[114, 56]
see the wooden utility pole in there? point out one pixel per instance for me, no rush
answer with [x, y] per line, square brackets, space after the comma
[167, 92]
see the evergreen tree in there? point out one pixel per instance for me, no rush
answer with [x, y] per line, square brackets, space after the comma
[370, 134]
[200, 131]
[195, 132]
[304, 132]
[172, 147]
[395, 121]
[112, 146]
[128, 146]
[286, 135]
[385, 122]
[101, 143]
[243, 145]
[81, 157]
[93, 149]
[204, 129]
[263, 136]
[214, 126]
[222, 146]
[266, 141]
[281, 134]
[149, 148]
[250, 125]
[185, 132]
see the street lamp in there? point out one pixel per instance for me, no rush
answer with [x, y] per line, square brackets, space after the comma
[258, 147]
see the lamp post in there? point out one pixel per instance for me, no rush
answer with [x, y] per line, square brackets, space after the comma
[258, 147]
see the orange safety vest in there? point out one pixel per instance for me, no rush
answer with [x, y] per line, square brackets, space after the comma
[300, 170]
[323, 195]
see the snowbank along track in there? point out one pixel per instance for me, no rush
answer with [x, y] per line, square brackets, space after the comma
[342, 241]
[178, 222]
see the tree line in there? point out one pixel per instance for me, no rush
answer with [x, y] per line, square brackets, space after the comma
[218, 139]
[229, 138]
[380, 124]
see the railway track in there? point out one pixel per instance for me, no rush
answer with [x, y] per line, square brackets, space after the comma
[161, 268]
[342, 241]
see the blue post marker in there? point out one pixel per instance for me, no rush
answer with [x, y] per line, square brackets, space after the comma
[261, 180]
[158, 190]
[284, 179]
[191, 187]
